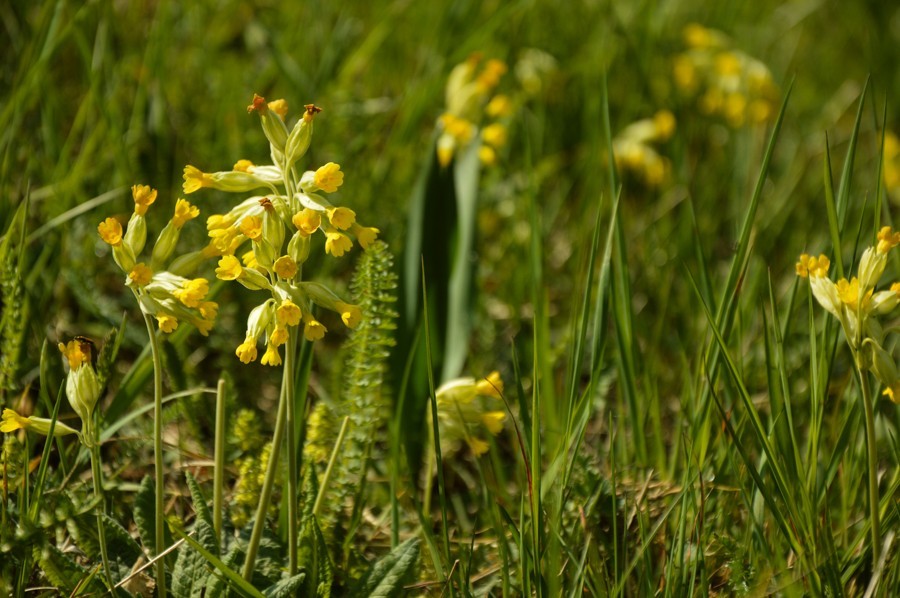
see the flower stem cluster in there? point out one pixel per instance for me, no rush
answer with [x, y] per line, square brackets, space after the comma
[729, 83]
[279, 227]
[857, 306]
[166, 296]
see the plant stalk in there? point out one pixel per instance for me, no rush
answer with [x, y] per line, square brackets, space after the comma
[872, 458]
[293, 493]
[97, 475]
[159, 472]
[219, 456]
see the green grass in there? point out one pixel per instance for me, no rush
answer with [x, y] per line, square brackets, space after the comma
[682, 417]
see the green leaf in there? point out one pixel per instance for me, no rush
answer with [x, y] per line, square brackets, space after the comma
[285, 587]
[314, 558]
[62, 571]
[242, 586]
[386, 577]
[190, 577]
[145, 513]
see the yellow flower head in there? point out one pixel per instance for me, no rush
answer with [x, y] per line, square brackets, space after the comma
[285, 267]
[664, 123]
[140, 275]
[365, 235]
[493, 421]
[313, 330]
[892, 392]
[329, 177]
[77, 352]
[459, 128]
[229, 268]
[337, 244]
[279, 107]
[491, 386]
[251, 226]
[184, 211]
[342, 218]
[271, 356]
[167, 323]
[111, 231]
[246, 351]
[307, 221]
[494, 135]
[727, 64]
[243, 166]
[350, 314]
[143, 196]
[195, 179]
[478, 446]
[288, 313]
[12, 421]
[279, 336]
[499, 106]
[192, 292]
[887, 239]
[249, 260]
[208, 309]
[812, 266]
[219, 222]
[487, 155]
[848, 291]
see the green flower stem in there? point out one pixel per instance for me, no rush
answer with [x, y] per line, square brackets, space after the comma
[219, 456]
[265, 494]
[97, 474]
[158, 456]
[872, 457]
[291, 417]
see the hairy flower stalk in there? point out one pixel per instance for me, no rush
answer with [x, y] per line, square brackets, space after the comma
[279, 228]
[857, 306]
[165, 296]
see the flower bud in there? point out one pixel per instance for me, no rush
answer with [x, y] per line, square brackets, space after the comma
[164, 246]
[298, 247]
[298, 141]
[272, 125]
[136, 234]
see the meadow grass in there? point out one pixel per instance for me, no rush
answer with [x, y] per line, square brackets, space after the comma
[680, 416]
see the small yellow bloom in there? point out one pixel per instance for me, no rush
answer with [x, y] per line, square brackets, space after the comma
[279, 336]
[365, 235]
[499, 106]
[195, 179]
[342, 218]
[307, 221]
[812, 266]
[111, 231]
[243, 166]
[271, 356]
[727, 64]
[893, 392]
[208, 309]
[350, 314]
[219, 221]
[664, 123]
[491, 386]
[12, 421]
[143, 196]
[459, 128]
[329, 177]
[494, 135]
[313, 330]
[279, 107]
[887, 239]
[141, 274]
[487, 155]
[337, 244]
[184, 211]
[249, 260]
[246, 351]
[76, 352]
[288, 313]
[192, 292]
[493, 421]
[251, 226]
[167, 323]
[478, 446]
[285, 267]
[229, 268]
[848, 291]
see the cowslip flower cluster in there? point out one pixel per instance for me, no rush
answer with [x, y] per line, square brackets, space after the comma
[168, 297]
[727, 82]
[279, 227]
[473, 112]
[465, 414]
[634, 152]
[857, 306]
[891, 165]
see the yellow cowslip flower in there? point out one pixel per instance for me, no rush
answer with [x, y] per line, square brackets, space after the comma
[459, 128]
[489, 77]
[329, 177]
[446, 146]
[167, 323]
[490, 386]
[464, 414]
[243, 166]
[734, 109]
[494, 135]
[111, 231]
[229, 268]
[140, 275]
[760, 111]
[893, 392]
[487, 155]
[664, 123]
[219, 221]
[365, 235]
[285, 267]
[192, 292]
[76, 353]
[887, 239]
[12, 421]
[493, 421]
[499, 106]
[184, 211]
[195, 179]
[812, 266]
[249, 260]
[288, 313]
[279, 107]
[82, 385]
[848, 291]
[271, 356]
[478, 446]
[143, 196]
[279, 336]
[307, 221]
[313, 330]
[251, 227]
[208, 310]
[350, 314]
[685, 73]
[336, 243]
[246, 351]
[341, 218]
[699, 37]
[727, 64]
